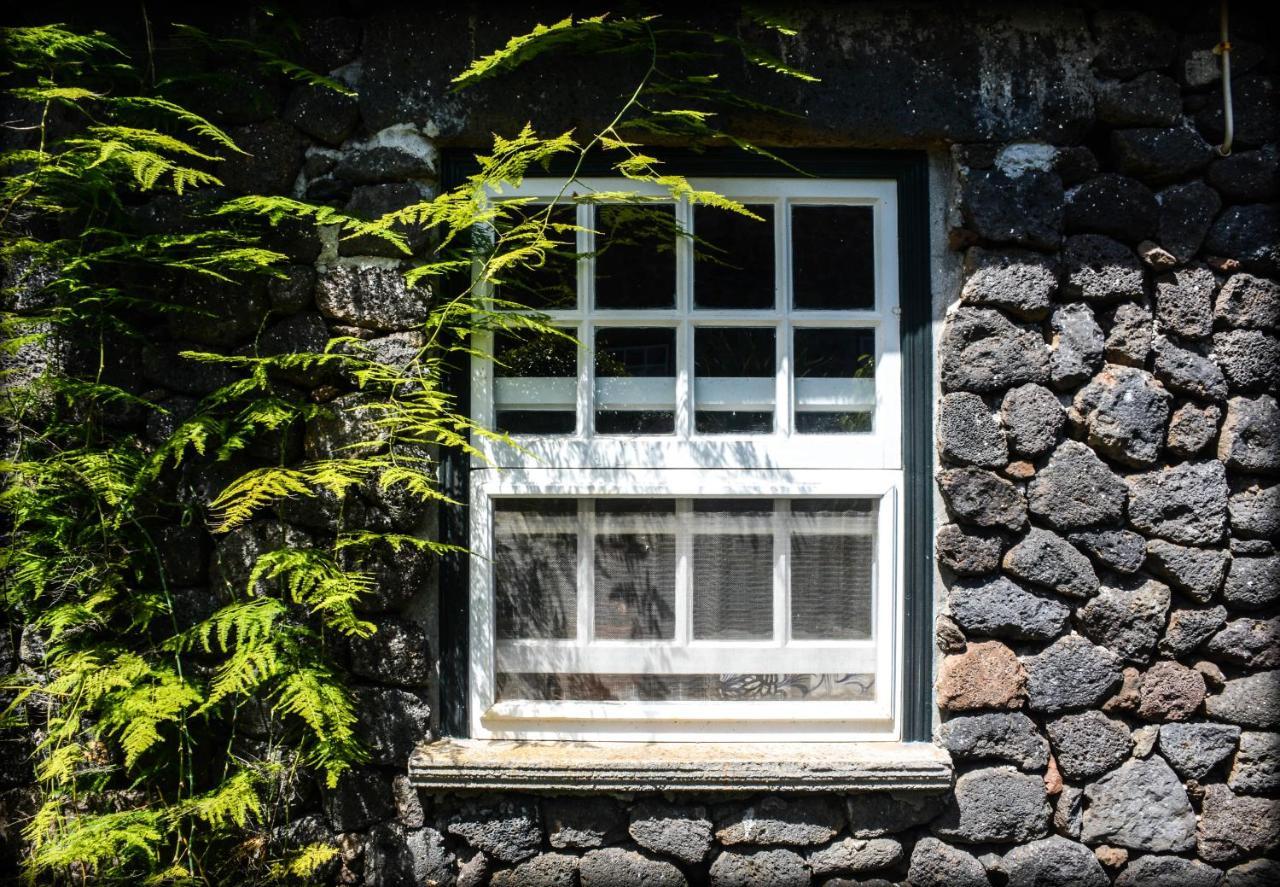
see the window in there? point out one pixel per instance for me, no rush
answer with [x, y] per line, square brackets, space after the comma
[700, 533]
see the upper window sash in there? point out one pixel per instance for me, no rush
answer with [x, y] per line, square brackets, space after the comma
[685, 448]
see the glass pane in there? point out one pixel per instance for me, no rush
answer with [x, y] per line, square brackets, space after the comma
[635, 380]
[733, 258]
[732, 585]
[734, 381]
[685, 687]
[535, 383]
[835, 391]
[535, 568]
[635, 586]
[552, 284]
[832, 257]
[635, 256]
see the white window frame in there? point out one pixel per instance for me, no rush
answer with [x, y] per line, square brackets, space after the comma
[780, 464]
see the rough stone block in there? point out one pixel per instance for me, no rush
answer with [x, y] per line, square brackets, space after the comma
[1076, 490]
[1186, 504]
[1141, 806]
[1070, 673]
[984, 351]
[995, 805]
[998, 736]
[1021, 282]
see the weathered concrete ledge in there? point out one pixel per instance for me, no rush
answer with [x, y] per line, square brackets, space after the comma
[460, 764]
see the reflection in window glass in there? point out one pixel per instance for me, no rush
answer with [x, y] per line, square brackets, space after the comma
[635, 256]
[535, 383]
[551, 285]
[733, 258]
[635, 380]
[635, 575]
[535, 569]
[835, 390]
[833, 257]
[832, 559]
[734, 383]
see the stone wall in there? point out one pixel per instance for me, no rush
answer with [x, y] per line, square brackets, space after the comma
[1108, 438]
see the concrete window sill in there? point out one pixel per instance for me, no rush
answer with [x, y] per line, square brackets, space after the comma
[502, 765]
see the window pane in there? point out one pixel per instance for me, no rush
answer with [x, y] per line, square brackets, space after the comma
[553, 284]
[835, 391]
[635, 256]
[733, 258]
[734, 380]
[732, 570]
[685, 687]
[832, 559]
[535, 385]
[832, 257]
[635, 586]
[635, 380]
[535, 568]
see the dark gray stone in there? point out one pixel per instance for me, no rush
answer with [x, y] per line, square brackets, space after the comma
[1088, 744]
[1076, 490]
[966, 553]
[1195, 749]
[1250, 359]
[1235, 827]
[583, 822]
[1033, 419]
[1113, 205]
[1252, 582]
[1249, 302]
[935, 864]
[217, 312]
[1186, 503]
[1256, 768]
[1196, 572]
[1074, 164]
[1167, 871]
[361, 798]
[1251, 642]
[324, 114]
[1130, 42]
[1130, 332]
[373, 298]
[507, 830]
[1025, 209]
[396, 855]
[397, 349]
[682, 832]
[1189, 627]
[1250, 437]
[546, 870]
[1101, 269]
[1046, 559]
[1184, 301]
[391, 723]
[1250, 701]
[271, 161]
[746, 868]
[1256, 110]
[1186, 212]
[1188, 372]
[999, 607]
[1125, 411]
[875, 814]
[1192, 428]
[1251, 548]
[1054, 862]
[409, 812]
[1141, 806]
[1150, 99]
[1121, 550]
[371, 202]
[998, 736]
[855, 856]
[1247, 176]
[798, 822]
[618, 867]
[1076, 350]
[982, 498]
[1160, 155]
[1070, 673]
[984, 351]
[1169, 691]
[1255, 510]
[968, 433]
[995, 805]
[1249, 234]
[397, 653]
[1068, 812]
[293, 291]
[1255, 873]
[1020, 281]
[1127, 617]
[376, 163]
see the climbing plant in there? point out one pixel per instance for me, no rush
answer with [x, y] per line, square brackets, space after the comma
[145, 765]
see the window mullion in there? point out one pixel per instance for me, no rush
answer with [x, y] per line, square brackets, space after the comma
[586, 571]
[781, 572]
[586, 332]
[684, 572]
[684, 332]
[784, 421]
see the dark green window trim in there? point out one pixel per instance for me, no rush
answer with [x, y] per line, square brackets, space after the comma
[910, 170]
